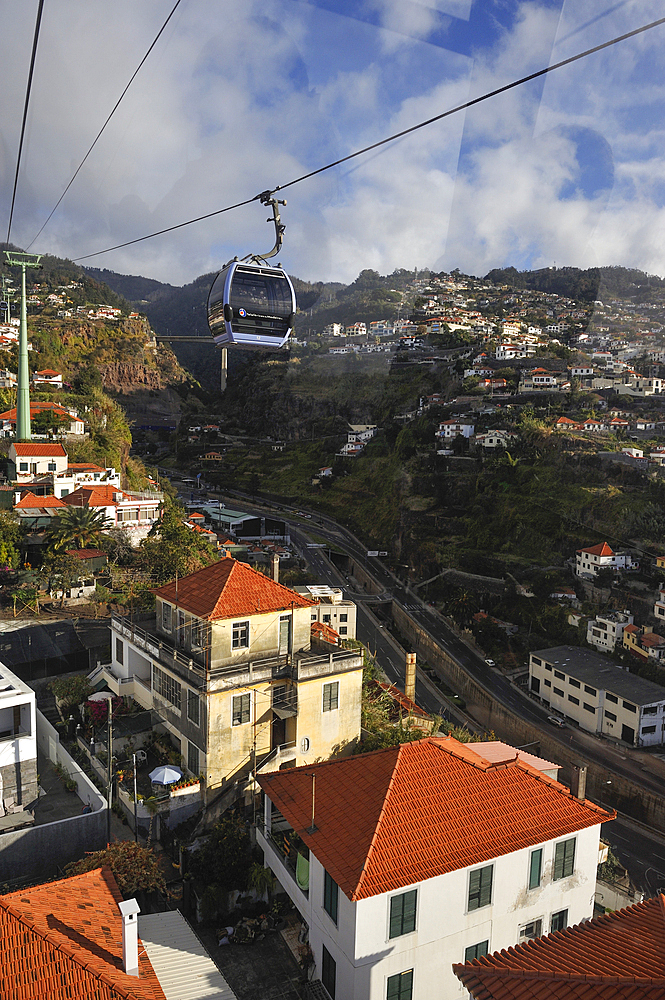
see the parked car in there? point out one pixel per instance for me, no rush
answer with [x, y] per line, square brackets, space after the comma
[490, 663]
[554, 720]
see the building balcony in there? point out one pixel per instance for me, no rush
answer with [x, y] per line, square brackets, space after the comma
[287, 857]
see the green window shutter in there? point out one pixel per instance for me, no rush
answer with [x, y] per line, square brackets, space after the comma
[535, 868]
[476, 950]
[564, 859]
[400, 987]
[480, 887]
[330, 896]
[403, 913]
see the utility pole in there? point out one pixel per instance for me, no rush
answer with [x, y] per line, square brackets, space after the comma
[23, 433]
[109, 772]
[136, 826]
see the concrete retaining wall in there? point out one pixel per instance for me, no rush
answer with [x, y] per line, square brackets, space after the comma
[41, 851]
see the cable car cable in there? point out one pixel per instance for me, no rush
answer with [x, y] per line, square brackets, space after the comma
[98, 136]
[390, 138]
[28, 90]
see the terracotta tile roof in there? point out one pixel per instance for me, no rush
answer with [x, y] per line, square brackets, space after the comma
[64, 939]
[601, 549]
[496, 752]
[394, 817]
[94, 496]
[228, 589]
[39, 448]
[401, 699]
[84, 467]
[619, 956]
[36, 408]
[29, 501]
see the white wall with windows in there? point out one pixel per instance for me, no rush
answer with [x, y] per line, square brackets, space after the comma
[395, 945]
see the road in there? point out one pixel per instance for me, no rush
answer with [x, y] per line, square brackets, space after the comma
[649, 772]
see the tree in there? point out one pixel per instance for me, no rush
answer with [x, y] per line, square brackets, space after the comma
[48, 422]
[11, 535]
[76, 527]
[225, 858]
[172, 547]
[60, 571]
[134, 868]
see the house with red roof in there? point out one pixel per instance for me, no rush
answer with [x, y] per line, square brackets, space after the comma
[71, 422]
[406, 860]
[589, 561]
[133, 513]
[617, 956]
[228, 662]
[77, 937]
[47, 378]
[28, 459]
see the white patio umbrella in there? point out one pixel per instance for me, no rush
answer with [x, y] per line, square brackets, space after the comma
[165, 774]
[101, 696]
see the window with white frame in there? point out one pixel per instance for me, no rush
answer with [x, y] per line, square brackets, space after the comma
[240, 638]
[193, 707]
[403, 913]
[400, 987]
[476, 951]
[533, 929]
[241, 709]
[166, 616]
[330, 696]
[166, 687]
[558, 921]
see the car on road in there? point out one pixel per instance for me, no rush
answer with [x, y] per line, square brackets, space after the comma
[554, 720]
[490, 663]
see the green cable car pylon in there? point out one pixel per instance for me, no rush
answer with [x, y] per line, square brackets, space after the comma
[23, 431]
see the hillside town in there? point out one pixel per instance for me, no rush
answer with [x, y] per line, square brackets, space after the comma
[200, 669]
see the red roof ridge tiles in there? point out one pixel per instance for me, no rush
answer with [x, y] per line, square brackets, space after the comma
[602, 549]
[613, 952]
[38, 448]
[229, 588]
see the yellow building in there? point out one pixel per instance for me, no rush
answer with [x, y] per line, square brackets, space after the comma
[228, 662]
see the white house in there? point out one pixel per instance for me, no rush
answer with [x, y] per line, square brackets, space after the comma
[606, 630]
[362, 432]
[18, 742]
[47, 378]
[449, 429]
[35, 458]
[588, 562]
[406, 860]
[135, 513]
[496, 439]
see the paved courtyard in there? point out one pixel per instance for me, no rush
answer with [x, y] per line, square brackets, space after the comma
[266, 970]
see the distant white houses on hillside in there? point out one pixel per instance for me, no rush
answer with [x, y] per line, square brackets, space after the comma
[588, 562]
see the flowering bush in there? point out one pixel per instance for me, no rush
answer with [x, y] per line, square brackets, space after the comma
[98, 711]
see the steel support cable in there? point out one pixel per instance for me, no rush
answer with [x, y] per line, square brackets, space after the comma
[98, 136]
[391, 138]
[28, 89]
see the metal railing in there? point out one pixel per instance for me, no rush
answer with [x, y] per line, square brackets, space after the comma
[157, 647]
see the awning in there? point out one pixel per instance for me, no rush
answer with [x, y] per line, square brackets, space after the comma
[285, 711]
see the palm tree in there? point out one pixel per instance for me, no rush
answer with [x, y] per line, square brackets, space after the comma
[77, 527]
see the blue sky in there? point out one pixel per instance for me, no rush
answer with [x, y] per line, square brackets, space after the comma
[236, 98]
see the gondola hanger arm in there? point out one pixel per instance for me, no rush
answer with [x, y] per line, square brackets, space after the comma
[266, 198]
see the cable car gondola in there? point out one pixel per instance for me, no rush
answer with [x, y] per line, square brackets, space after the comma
[252, 304]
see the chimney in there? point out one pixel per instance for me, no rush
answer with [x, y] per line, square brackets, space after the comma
[578, 781]
[274, 566]
[129, 909]
[410, 679]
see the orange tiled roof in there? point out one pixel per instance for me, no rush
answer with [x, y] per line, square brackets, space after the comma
[93, 496]
[390, 818]
[619, 956]
[64, 939]
[602, 549]
[230, 588]
[29, 501]
[39, 448]
[36, 408]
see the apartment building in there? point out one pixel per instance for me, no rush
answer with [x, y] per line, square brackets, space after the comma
[606, 630]
[406, 860]
[592, 692]
[228, 663]
[331, 609]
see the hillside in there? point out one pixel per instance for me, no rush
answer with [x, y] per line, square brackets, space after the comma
[585, 285]
[105, 350]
